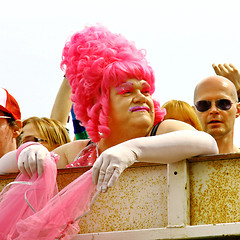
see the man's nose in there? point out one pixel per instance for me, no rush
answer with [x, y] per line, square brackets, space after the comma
[140, 97]
[213, 108]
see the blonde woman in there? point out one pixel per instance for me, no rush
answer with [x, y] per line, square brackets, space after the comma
[182, 111]
[49, 132]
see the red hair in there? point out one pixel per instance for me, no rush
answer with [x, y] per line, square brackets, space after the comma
[94, 60]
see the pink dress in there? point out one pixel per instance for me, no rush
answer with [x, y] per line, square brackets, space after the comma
[34, 209]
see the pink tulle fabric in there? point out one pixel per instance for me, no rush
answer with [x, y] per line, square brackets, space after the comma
[32, 208]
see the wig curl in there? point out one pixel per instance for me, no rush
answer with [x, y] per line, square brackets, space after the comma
[94, 60]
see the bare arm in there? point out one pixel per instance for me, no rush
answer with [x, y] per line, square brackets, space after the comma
[63, 103]
[8, 163]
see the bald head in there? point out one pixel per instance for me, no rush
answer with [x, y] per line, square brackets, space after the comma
[221, 84]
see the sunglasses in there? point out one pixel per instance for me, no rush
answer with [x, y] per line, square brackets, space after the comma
[5, 117]
[222, 104]
[32, 139]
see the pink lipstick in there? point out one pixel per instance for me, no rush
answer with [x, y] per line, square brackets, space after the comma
[139, 108]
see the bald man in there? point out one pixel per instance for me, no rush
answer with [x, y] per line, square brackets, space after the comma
[217, 107]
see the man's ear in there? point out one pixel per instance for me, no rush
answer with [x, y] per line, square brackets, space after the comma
[17, 128]
[238, 110]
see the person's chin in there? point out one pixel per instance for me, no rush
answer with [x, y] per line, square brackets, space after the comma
[215, 131]
[144, 121]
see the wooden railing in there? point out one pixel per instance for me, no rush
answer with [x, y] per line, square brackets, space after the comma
[192, 199]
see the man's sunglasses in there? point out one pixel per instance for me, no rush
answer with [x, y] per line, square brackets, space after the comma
[222, 104]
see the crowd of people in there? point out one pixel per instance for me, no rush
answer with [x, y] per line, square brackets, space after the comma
[108, 86]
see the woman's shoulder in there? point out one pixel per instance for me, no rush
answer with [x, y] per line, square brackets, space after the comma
[69, 151]
[171, 125]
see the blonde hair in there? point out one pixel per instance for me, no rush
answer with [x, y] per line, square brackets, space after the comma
[182, 111]
[50, 129]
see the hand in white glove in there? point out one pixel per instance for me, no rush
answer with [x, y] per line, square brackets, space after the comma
[165, 148]
[31, 160]
[110, 164]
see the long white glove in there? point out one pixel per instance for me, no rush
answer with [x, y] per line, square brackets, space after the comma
[165, 148]
[31, 159]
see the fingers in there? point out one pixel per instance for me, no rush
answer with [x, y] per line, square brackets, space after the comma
[31, 160]
[216, 69]
[96, 169]
[234, 69]
[222, 69]
[21, 167]
[28, 164]
[40, 157]
[228, 67]
[105, 173]
[114, 177]
[110, 164]
[105, 176]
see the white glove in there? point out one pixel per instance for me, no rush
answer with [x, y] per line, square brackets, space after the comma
[165, 148]
[110, 164]
[31, 159]
[173, 146]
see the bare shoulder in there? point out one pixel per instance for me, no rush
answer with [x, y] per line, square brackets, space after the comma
[69, 151]
[171, 125]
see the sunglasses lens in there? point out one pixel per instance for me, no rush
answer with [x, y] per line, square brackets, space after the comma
[30, 139]
[223, 104]
[203, 106]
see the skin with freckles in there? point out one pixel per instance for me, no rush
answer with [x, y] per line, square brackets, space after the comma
[218, 123]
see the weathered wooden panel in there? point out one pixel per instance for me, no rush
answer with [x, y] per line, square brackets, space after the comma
[215, 190]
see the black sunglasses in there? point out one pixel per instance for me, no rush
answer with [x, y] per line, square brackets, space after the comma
[32, 139]
[222, 104]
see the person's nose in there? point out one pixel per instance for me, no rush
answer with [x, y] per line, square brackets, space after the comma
[213, 108]
[139, 97]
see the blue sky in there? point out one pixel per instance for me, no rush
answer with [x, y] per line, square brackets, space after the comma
[182, 39]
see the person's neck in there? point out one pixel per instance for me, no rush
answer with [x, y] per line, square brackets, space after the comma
[115, 139]
[225, 145]
[108, 142]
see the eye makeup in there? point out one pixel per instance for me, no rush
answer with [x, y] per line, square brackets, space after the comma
[145, 87]
[124, 88]
[128, 87]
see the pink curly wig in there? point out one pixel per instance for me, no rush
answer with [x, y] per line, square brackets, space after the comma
[94, 60]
